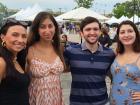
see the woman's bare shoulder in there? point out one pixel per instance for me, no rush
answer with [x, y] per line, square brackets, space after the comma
[30, 52]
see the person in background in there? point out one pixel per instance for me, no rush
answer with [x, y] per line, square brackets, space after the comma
[14, 80]
[112, 34]
[66, 42]
[77, 29]
[126, 66]
[104, 38]
[89, 65]
[45, 62]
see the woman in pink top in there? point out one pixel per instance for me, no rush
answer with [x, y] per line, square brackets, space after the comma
[45, 61]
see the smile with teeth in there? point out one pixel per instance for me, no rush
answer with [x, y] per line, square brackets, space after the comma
[92, 36]
[46, 35]
[19, 44]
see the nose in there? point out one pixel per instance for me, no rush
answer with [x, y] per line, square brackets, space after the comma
[126, 34]
[47, 29]
[21, 39]
[92, 31]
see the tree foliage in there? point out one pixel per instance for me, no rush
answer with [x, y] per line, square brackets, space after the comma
[84, 3]
[128, 8]
[3, 8]
[3, 12]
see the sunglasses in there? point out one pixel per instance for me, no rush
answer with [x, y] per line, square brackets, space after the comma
[13, 21]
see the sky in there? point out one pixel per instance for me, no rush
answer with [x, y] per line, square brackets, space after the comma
[100, 6]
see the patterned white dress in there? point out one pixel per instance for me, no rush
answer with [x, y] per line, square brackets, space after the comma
[45, 87]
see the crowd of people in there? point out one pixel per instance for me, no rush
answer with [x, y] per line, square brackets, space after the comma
[31, 63]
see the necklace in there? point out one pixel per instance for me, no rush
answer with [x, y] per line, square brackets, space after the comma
[17, 66]
[15, 60]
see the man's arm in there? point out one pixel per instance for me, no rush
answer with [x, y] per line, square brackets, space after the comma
[66, 59]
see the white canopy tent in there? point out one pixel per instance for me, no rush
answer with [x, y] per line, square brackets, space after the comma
[81, 13]
[17, 14]
[30, 15]
[123, 18]
[135, 18]
[27, 14]
[59, 20]
[31, 18]
[24, 13]
[20, 13]
[112, 20]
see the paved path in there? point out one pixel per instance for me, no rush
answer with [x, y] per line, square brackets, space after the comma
[66, 83]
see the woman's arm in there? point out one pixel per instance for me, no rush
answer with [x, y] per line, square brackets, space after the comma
[28, 57]
[2, 68]
[136, 95]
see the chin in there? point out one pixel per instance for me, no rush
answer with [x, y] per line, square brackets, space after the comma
[127, 44]
[18, 50]
[48, 39]
[92, 42]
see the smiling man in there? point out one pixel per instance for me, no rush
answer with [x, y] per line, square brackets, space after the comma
[89, 64]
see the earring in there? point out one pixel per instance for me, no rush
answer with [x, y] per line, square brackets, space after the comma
[3, 43]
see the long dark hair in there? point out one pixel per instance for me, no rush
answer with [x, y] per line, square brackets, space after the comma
[34, 34]
[8, 55]
[120, 48]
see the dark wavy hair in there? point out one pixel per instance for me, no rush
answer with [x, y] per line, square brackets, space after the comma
[87, 20]
[8, 55]
[34, 34]
[136, 45]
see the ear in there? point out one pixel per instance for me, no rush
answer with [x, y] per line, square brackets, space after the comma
[81, 33]
[2, 37]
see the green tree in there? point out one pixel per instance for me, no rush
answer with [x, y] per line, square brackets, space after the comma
[118, 10]
[3, 8]
[3, 12]
[128, 8]
[84, 3]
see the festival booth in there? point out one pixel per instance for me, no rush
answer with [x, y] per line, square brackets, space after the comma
[27, 14]
[112, 20]
[123, 18]
[81, 13]
[135, 19]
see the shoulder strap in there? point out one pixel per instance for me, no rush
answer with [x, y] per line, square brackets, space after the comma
[33, 51]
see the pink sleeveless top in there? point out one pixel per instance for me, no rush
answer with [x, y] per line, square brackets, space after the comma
[45, 87]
